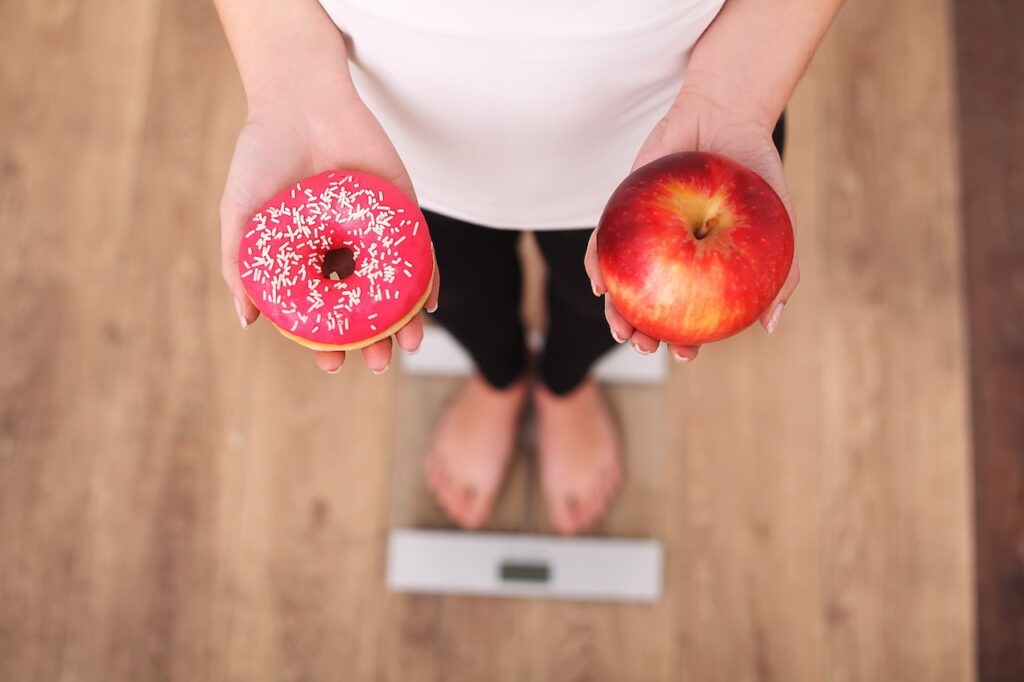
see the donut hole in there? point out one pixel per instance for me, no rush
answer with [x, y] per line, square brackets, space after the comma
[339, 263]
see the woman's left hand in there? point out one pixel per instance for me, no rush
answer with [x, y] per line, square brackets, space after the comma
[698, 123]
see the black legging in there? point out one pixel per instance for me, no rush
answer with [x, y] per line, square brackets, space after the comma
[481, 291]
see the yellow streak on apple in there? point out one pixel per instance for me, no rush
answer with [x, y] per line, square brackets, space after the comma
[674, 280]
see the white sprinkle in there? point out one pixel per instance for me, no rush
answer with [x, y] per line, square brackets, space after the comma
[400, 240]
[373, 327]
[415, 227]
[407, 273]
[371, 316]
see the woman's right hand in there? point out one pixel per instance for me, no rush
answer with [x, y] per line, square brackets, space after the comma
[300, 132]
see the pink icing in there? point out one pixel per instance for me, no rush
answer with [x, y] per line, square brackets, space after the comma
[282, 253]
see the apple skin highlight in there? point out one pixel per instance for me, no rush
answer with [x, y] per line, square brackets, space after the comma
[694, 247]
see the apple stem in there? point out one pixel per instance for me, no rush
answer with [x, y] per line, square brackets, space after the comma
[705, 228]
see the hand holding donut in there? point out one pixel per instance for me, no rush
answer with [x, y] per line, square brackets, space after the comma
[281, 144]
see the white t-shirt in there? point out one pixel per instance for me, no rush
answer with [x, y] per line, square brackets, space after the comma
[522, 114]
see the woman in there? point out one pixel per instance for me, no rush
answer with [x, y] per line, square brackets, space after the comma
[501, 118]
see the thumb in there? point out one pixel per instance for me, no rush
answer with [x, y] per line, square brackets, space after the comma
[405, 184]
[233, 218]
[593, 267]
[669, 135]
[770, 317]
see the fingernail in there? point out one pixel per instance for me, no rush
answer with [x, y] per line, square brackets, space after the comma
[430, 310]
[616, 337]
[640, 350]
[681, 359]
[593, 288]
[335, 370]
[414, 351]
[378, 372]
[773, 321]
[241, 318]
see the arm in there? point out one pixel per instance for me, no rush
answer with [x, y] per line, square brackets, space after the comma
[305, 117]
[740, 76]
[755, 52]
[282, 43]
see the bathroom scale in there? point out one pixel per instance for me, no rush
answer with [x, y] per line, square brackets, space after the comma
[515, 565]
[441, 355]
[522, 565]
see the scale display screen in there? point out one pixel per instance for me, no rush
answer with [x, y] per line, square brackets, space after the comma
[524, 572]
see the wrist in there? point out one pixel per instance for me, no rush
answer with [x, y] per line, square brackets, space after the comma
[285, 48]
[725, 101]
[305, 80]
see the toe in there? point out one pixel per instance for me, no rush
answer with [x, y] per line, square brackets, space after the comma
[610, 482]
[461, 502]
[439, 481]
[448, 498]
[476, 509]
[435, 468]
[589, 511]
[560, 513]
[592, 510]
[461, 499]
[430, 465]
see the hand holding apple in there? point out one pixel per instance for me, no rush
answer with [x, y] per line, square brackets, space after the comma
[693, 247]
[695, 123]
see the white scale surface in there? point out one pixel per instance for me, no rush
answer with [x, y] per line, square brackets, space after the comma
[512, 565]
[440, 354]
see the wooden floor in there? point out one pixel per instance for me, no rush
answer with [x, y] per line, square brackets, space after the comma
[991, 116]
[182, 501]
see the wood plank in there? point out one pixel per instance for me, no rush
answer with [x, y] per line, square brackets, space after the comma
[72, 112]
[894, 426]
[991, 109]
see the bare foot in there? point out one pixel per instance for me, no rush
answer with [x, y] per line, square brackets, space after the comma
[578, 450]
[472, 446]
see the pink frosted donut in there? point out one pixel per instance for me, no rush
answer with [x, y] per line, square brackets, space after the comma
[338, 261]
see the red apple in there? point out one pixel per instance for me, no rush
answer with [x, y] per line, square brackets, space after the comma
[694, 247]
